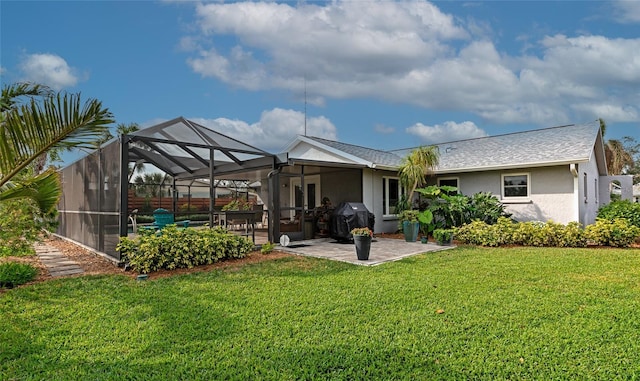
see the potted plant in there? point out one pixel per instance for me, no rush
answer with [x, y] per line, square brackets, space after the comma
[410, 225]
[443, 236]
[362, 240]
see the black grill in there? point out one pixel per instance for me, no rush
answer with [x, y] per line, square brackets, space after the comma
[349, 215]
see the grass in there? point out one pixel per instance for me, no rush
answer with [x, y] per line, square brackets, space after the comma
[509, 313]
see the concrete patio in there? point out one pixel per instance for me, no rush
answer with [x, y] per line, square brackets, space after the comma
[382, 250]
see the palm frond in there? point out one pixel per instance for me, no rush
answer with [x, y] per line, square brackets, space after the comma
[416, 166]
[59, 121]
[13, 94]
[44, 189]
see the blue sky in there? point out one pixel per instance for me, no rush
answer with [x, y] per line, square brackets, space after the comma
[381, 74]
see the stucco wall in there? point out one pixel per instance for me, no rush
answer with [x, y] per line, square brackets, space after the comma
[590, 200]
[551, 195]
[372, 199]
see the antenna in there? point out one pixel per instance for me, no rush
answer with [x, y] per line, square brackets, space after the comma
[305, 105]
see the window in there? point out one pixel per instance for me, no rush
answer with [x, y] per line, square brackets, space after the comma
[449, 182]
[515, 185]
[586, 188]
[391, 191]
[596, 190]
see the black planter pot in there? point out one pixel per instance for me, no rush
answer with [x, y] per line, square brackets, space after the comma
[363, 246]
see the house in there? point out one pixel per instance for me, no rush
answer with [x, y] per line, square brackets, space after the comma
[556, 173]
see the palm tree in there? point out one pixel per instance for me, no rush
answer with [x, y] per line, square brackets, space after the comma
[124, 129]
[33, 121]
[416, 166]
[618, 159]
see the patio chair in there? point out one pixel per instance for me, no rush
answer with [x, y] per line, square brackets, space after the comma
[163, 217]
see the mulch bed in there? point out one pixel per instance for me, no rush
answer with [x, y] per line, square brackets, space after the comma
[93, 264]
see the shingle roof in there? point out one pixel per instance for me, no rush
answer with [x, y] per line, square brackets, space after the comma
[381, 158]
[548, 146]
[564, 144]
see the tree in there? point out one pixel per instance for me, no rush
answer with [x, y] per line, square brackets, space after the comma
[632, 146]
[150, 184]
[416, 167]
[121, 129]
[33, 121]
[124, 129]
[618, 159]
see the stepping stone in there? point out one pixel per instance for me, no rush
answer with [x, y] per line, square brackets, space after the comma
[56, 263]
[56, 273]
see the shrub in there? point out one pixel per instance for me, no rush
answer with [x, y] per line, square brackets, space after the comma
[267, 247]
[172, 248]
[574, 235]
[188, 208]
[531, 233]
[621, 209]
[443, 236]
[486, 207]
[238, 204]
[21, 224]
[451, 209]
[14, 274]
[618, 232]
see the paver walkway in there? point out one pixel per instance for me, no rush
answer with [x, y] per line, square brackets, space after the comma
[382, 250]
[57, 264]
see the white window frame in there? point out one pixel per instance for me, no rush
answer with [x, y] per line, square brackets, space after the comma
[385, 191]
[516, 198]
[586, 188]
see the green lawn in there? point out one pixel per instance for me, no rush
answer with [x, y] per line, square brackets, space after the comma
[509, 313]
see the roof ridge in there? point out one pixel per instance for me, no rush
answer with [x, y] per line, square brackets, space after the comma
[495, 136]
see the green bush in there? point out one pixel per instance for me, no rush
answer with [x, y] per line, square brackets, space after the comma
[531, 233]
[618, 232]
[21, 224]
[172, 248]
[486, 207]
[14, 274]
[143, 219]
[469, 233]
[188, 208]
[267, 247]
[621, 209]
[193, 217]
[450, 208]
[443, 236]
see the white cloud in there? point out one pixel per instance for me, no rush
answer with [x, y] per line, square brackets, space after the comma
[608, 111]
[412, 53]
[275, 129]
[339, 48]
[48, 69]
[446, 132]
[627, 11]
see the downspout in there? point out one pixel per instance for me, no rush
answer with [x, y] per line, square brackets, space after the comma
[573, 168]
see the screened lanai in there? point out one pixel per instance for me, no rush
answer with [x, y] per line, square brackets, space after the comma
[95, 210]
